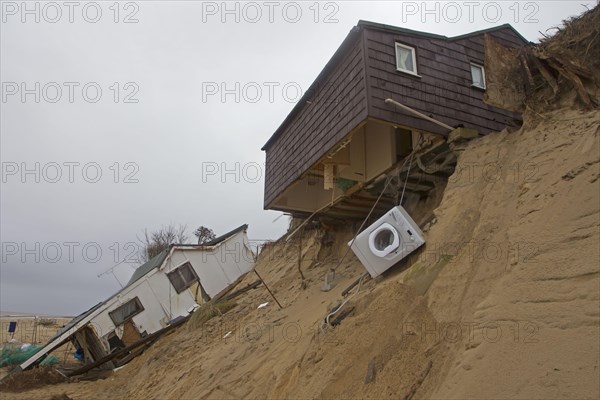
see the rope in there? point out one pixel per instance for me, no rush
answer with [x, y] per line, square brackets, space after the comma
[326, 323]
[408, 171]
[389, 179]
[406, 180]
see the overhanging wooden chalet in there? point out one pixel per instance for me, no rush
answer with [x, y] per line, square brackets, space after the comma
[337, 144]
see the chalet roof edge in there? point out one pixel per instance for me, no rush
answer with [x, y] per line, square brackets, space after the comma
[388, 28]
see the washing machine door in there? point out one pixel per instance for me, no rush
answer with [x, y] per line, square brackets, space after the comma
[384, 240]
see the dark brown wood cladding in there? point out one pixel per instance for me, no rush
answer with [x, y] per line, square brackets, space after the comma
[354, 86]
[443, 90]
[336, 106]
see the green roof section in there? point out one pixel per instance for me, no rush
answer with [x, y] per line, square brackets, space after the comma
[154, 262]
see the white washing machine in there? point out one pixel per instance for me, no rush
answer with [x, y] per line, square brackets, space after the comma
[387, 241]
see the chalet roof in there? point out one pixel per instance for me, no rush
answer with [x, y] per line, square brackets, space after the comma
[154, 262]
[227, 235]
[347, 44]
[157, 261]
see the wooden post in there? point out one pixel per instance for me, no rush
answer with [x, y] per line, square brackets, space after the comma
[34, 333]
[267, 287]
[80, 336]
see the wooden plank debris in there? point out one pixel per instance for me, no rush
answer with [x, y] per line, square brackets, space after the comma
[111, 356]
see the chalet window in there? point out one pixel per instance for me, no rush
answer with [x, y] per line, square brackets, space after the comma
[182, 277]
[478, 76]
[406, 60]
[126, 311]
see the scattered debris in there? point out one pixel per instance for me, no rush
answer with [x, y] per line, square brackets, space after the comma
[372, 370]
[364, 277]
[268, 289]
[331, 280]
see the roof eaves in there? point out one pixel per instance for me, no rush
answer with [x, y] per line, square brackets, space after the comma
[489, 30]
[391, 28]
[225, 236]
[216, 241]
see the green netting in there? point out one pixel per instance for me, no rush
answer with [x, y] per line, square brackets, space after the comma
[345, 184]
[49, 360]
[14, 354]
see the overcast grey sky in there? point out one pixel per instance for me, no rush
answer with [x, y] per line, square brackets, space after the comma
[116, 117]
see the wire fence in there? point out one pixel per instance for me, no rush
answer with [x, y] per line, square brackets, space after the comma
[31, 330]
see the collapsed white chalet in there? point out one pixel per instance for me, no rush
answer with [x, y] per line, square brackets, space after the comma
[165, 289]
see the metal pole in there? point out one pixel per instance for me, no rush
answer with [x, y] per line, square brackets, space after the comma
[418, 114]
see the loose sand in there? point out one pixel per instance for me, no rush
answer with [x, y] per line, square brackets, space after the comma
[503, 302]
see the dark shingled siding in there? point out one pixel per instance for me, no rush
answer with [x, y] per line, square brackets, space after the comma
[361, 81]
[338, 105]
[444, 89]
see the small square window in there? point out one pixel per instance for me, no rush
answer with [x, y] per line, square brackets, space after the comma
[478, 76]
[182, 277]
[406, 60]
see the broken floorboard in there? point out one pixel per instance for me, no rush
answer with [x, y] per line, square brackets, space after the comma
[111, 356]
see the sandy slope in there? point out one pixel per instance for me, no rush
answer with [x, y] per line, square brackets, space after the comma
[536, 277]
[502, 303]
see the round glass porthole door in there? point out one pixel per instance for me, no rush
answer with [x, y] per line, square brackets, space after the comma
[384, 240]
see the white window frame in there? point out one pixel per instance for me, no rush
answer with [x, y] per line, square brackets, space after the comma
[413, 52]
[139, 308]
[482, 75]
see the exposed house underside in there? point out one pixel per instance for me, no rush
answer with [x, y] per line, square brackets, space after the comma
[377, 164]
[344, 141]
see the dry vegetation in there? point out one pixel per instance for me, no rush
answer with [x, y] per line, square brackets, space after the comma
[560, 70]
